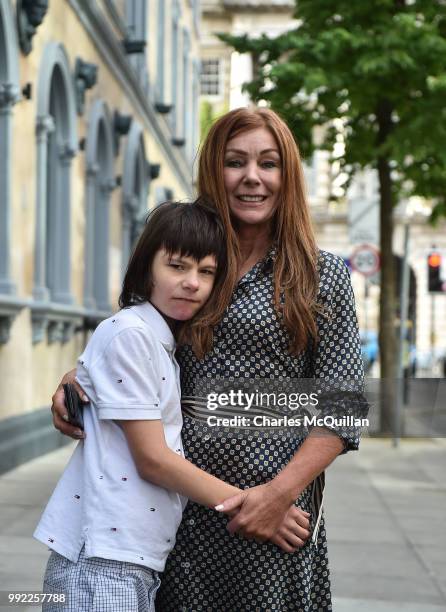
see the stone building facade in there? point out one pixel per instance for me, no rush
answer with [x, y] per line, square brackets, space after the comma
[98, 124]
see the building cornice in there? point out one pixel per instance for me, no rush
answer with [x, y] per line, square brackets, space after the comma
[229, 7]
[112, 53]
[259, 5]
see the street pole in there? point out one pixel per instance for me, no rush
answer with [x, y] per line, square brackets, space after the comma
[366, 306]
[433, 338]
[404, 310]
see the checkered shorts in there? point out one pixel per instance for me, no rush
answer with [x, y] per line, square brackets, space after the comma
[99, 585]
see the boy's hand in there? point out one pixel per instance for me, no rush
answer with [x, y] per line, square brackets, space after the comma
[59, 410]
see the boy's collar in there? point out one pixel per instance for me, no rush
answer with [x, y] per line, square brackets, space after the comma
[157, 323]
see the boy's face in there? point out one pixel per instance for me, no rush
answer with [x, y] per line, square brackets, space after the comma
[180, 284]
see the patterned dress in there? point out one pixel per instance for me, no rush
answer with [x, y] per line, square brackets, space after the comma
[209, 570]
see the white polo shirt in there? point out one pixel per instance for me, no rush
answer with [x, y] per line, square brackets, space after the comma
[129, 372]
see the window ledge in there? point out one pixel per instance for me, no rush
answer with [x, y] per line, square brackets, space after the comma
[59, 322]
[10, 306]
[92, 318]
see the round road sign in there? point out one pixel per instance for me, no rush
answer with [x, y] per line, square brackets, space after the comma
[365, 259]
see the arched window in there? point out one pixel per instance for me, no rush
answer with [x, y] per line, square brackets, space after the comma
[56, 146]
[9, 91]
[135, 190]
[53, 308]
[100, 183]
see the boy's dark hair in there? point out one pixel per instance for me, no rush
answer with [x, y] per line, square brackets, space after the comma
[191, 229]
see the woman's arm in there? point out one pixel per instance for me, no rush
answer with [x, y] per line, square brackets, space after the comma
[336, 360]
[263, 509]
[158, 464]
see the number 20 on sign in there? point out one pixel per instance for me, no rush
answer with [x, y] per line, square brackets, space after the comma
[365, 259]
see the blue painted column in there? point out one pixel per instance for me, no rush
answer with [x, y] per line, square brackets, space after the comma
[44, 127]
[8, 97]
[102, 244]
[92, 173]
[61, 281]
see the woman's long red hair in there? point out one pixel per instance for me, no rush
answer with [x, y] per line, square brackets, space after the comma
[295, 269]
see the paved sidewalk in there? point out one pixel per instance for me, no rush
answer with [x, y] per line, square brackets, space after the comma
[385, 512]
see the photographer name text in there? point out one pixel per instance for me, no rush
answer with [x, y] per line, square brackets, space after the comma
[286, 421]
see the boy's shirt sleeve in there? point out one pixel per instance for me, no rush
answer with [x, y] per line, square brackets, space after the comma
[125, 378]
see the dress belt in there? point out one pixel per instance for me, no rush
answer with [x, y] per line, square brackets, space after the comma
[197, 408]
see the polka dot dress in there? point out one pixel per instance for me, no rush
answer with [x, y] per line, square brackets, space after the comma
[209, 570]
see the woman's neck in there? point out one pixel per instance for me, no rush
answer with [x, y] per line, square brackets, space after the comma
[254, 244]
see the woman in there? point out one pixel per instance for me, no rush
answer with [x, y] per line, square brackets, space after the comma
[291, 315]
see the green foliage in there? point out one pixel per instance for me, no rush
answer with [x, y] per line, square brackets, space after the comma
[209, 114]
[379, 65]
[206, 118]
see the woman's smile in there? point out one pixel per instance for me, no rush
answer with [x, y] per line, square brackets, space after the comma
[253, 176]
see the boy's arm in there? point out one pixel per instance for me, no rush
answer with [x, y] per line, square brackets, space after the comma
[158, 464]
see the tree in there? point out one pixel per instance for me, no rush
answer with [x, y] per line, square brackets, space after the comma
[379, 68]
[208, 114]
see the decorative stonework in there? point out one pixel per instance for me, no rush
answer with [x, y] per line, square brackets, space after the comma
[56, 322]
[107, 186]
[154, 170]
[178, 142]
[30, 14]
[133, 46]
[85, 77]
[121, 127]
[66, 153]
[131, 205]
[163, 109]
[44, 126]
[10, 306]
[9, 95]
[92, 170]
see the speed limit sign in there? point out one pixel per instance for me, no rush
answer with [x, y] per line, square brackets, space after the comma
[365, 259]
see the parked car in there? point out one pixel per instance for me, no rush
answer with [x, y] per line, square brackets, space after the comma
[369, 348]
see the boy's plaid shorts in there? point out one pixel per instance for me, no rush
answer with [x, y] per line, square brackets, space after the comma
[99, 585]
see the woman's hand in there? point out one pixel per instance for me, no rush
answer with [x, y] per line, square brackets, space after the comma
[291, 533]
[59, 410]
[294, 530]
[262, 512]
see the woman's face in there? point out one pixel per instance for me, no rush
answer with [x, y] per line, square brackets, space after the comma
[253, 176]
